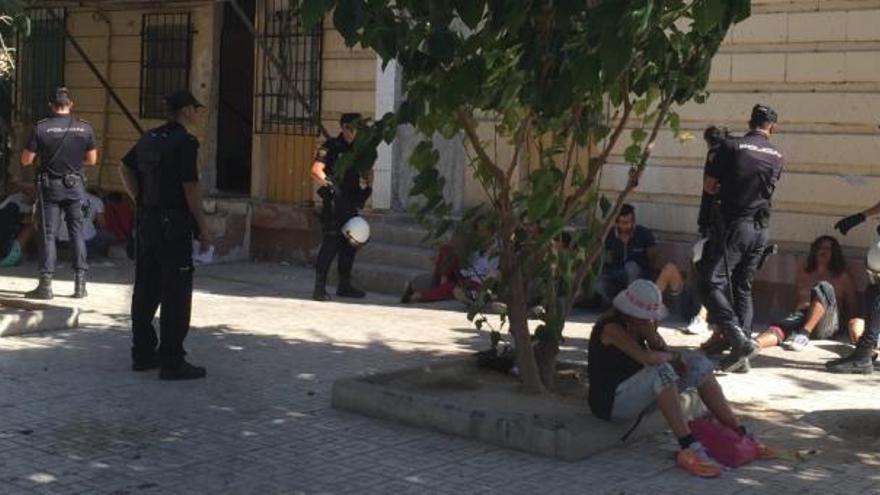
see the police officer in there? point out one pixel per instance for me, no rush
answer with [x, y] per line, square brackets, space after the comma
[861, 359]
[340, 202]
[161, 175]
[742, 173]
[63, 143]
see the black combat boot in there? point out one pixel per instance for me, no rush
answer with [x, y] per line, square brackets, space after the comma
[742, 348]
[345, 289]
[43, 290]
[860, 362]
[144, 361]
[320, 293]
[79, 284]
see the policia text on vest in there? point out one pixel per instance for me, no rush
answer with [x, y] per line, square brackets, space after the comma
[161, 175]
[63, 144]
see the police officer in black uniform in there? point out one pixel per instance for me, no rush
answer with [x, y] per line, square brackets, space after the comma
[161, 175]
[63, 143]
[340, 202]
[743, 174]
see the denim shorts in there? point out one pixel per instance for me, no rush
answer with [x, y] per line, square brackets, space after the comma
[639, 392]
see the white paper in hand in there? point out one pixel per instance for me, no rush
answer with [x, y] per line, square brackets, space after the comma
[201, 258]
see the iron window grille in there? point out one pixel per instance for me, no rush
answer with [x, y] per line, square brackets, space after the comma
[299, 51]
[166, 59]
[41, 61]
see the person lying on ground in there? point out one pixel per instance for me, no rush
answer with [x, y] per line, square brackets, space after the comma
[825, 292]
[631, 370]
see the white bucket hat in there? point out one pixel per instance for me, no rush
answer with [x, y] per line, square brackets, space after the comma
[642, 299]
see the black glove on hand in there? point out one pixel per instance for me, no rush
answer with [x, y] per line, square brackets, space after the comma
[327, 191]
[846, 224]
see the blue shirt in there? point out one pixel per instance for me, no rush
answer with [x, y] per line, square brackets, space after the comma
[618, 253]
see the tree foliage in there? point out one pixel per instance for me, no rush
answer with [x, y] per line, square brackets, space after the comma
[552, 78]
[12, 21]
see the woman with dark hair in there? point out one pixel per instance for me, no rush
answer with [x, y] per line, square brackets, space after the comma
[823, 289]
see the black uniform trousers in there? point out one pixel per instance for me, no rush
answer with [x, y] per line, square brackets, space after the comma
[55, 197]
[163, 276]
[744, 242]
[870, 338]
[335, 212]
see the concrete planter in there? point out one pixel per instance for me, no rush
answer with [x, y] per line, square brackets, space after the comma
[460, 399]
[19, 317]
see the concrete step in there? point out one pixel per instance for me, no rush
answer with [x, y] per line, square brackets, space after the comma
[395, 255]
[383, 279]
[396, 229]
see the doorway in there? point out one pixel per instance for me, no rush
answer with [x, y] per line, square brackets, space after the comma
[236, 102]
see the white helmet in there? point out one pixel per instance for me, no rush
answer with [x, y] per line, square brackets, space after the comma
[357, 231]
[872, 263]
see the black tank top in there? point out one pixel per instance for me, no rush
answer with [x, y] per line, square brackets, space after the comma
[607, 367]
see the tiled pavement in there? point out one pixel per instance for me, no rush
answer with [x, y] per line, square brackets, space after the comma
[74, 419]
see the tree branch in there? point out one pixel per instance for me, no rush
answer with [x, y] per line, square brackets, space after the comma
[470, 130]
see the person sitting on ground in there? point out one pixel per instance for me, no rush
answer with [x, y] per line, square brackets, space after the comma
[98, 238]
[631, 370]
[118, 217]
[628, 255]
[439, 285]
[824, 288]
[16, 227]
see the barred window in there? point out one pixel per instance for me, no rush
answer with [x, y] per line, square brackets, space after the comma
[299, 51]
[41, 64]
[166, 56]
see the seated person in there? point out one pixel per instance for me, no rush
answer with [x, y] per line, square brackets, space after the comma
[627, 255]
[631, 370]
[16, 227]
[98, 239]
[482, 267]
[439, 285]
[118, 217]
[824, 288]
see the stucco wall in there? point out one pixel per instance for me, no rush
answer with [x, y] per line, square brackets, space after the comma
[118, 58]
[818, 64]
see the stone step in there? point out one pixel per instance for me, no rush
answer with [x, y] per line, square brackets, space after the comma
[383, 279]
[395, 255]
[396, 229]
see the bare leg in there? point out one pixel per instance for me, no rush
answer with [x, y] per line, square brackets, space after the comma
[669, 404]
[768, 339]
[815, 313]
[712, 395]
[670, 279]
[856, 329]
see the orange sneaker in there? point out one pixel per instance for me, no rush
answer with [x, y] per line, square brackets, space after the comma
[696, 461]
[766, 453]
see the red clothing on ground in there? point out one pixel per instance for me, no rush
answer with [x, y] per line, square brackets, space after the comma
[445, 276]
[118, 219]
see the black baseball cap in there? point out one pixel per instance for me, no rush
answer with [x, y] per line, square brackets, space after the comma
[180, 99]
[762, 114]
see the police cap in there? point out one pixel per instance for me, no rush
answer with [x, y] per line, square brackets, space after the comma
[762, 114]
[181, 99]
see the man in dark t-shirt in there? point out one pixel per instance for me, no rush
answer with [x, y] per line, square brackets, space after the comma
[63, 144]
[161, 175]
[627, 257]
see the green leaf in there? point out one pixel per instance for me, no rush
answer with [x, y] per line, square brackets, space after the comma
[707, 15]
[313, 12]
[470, 11]
[633, 154]
[675, 123]
[348, 18]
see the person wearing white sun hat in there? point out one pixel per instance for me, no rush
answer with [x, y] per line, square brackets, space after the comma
[631, 370]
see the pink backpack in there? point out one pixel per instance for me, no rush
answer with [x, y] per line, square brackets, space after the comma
[724, 444]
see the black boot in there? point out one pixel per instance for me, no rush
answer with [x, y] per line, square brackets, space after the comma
[320, 293]
[79, 284]
[860, 361]
[742, 348]
[43, 290]
[144, 361]
[345, 289]
[182, 371]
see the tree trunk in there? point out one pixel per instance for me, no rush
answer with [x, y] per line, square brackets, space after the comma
[546, 353]
[519, 328]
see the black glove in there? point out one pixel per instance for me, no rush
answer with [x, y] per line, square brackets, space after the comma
[327, 191]
[844, 225]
